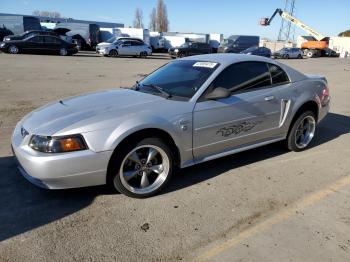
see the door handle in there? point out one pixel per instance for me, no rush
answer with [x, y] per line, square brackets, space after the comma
[269, 98]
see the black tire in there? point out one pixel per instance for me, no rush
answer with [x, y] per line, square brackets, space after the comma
[63, 52]
[143, 55]
[291, 140]
[114, 177]
[113, 53]
[300, 56]
[12, 49]
[287, 56]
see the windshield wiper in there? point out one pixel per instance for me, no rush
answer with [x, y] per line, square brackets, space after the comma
[159, 89]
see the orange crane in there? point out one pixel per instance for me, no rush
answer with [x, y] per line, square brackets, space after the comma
[316, 48]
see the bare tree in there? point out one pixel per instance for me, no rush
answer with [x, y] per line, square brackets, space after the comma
[162, 17]
[153, 20]
[53, 14]
[138, 22]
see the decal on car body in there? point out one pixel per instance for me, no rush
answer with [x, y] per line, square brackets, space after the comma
[237, 129]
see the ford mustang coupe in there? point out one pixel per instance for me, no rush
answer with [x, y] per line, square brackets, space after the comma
[188, 111]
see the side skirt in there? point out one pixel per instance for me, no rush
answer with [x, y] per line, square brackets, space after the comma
[233, 151]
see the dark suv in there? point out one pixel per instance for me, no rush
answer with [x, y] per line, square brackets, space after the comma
[190, 48]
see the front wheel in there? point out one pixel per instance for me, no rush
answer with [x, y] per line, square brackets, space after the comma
[302, 132]
[143, 55]
[142, 169]
[13, 49]
[113, 53]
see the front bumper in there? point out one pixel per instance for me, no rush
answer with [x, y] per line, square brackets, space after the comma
[59, 171]
[102, 51]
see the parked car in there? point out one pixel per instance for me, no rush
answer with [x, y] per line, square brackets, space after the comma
[190, 48]
[288, 52]
[189, 111]
[255, 50]
[39, 44]
[3, 33]
[113, 41]
[125, 47]
[238, 43]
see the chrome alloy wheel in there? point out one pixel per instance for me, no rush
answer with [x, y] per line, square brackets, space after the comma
[305, 132]
[144, 169]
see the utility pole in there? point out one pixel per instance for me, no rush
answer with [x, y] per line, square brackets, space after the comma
[287, 30]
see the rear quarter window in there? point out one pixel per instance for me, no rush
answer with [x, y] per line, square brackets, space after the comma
[278, 75]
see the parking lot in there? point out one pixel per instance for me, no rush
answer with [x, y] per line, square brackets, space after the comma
[266, 204]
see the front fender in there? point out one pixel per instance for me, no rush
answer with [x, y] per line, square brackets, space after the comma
[108, 140]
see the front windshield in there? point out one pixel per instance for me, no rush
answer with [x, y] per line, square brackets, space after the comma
[111, 40]
[179, 78]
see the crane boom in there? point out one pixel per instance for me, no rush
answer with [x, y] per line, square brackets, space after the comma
[295, 21]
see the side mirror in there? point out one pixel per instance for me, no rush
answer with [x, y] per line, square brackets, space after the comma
[218, 93]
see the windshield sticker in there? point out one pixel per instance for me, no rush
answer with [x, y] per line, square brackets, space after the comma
[205, 64]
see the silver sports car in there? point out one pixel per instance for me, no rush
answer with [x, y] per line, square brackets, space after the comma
[186, 112]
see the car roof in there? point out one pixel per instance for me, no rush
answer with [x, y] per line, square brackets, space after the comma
[228, 59]
[225, 60]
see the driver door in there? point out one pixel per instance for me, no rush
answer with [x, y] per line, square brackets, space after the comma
[34, 45]
[125, 48]
[251, 114]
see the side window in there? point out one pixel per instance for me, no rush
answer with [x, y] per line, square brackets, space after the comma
[127, 43]
[50, 39]
[244, 76]
[36, 39]
[278, 76]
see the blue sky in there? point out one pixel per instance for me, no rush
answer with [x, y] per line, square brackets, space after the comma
[202, 16]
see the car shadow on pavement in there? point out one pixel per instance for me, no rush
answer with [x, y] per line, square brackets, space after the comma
[24, 206]
[333, 126]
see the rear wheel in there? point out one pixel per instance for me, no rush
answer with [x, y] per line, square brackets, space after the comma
[143, 54]
[300, 56]
[310, 54]
[13, 49]
[142, 169]
[63, 52]
[302, 132]
[113, 53]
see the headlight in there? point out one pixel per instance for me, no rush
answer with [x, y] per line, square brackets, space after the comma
[176, 50]
[2, 44]
[48, 144]
[249, 53]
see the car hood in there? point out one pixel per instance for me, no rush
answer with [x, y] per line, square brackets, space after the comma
[89, 112]
[104, 44]
[13, 38]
